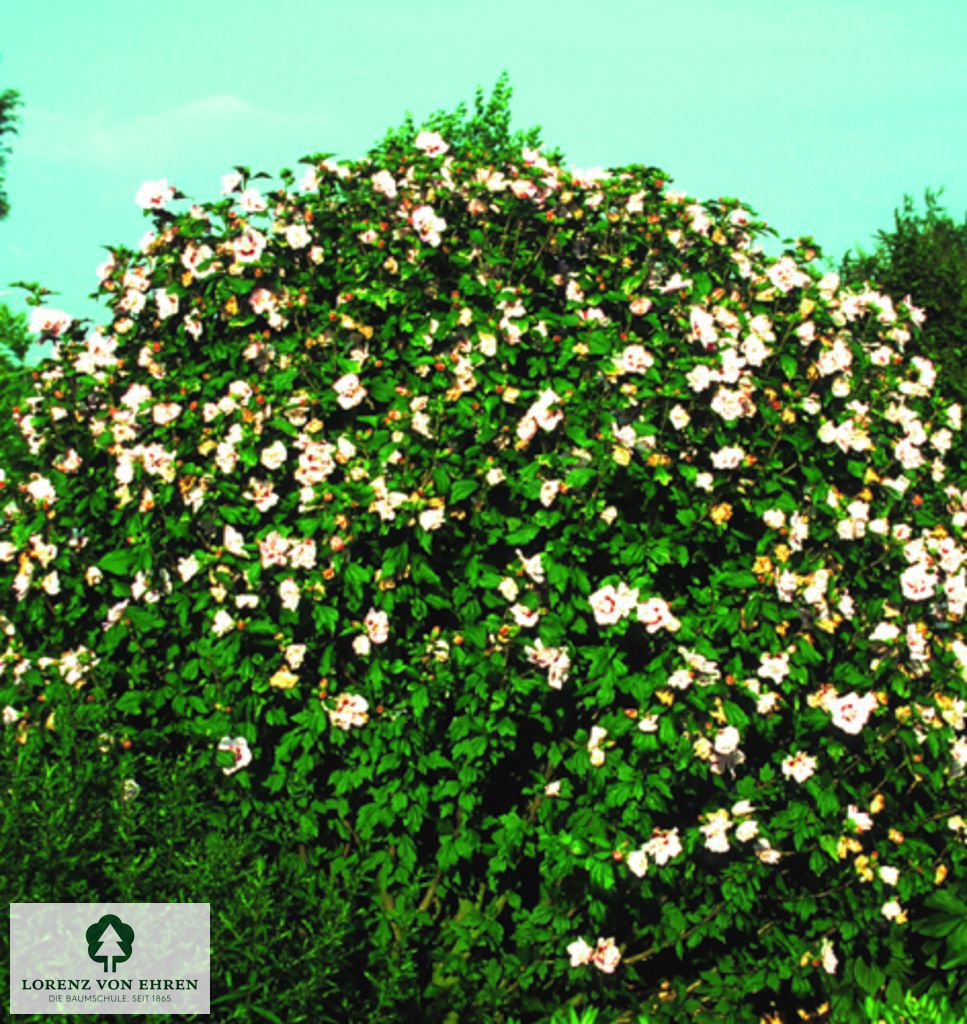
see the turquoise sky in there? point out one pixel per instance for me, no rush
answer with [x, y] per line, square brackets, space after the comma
[820, 115]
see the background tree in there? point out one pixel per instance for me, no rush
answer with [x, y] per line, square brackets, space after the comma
[9, 102]
[924, 255]
[15, 340]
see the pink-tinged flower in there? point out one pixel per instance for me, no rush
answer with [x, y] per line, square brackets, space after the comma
[851, 711]
[580, 953]
[682, 679]
[679, 418]
[663, 845]
[860, 820]
[165, 412]
[908, 454]
[558, 671]
[524, 616]
[728, 458]
[249, 246]
[187, 567]
[549, 491]
[262, 494]
[765, 852]
[234, 542]
[302, 554]
[573, 292]
[828, 957]
[309, 181]
[918, 583]
[655, 614]
[889, 875]
[892, 911]
[785, 275]
[553, 789]
[230, 182]
[154, 195]
[746, 831]
[715, 831]
[884, 633]
[349, 390]
[638, 862]
[40, 489]
[222, 622]
[135, 396]
[532, 566]
[635, 359]
[703, 327]
[384, 183]
[297, 236]
[273, 548]
[262, 301]
[699, 218]
[432, 518]
[252, 201]
[606, 606]
[166, 302]
[799, 766]
[350, 710]
[239, 750]
[775, 667]
[273, 456]
[639, 306]
[362, 645]
[607, 956]
[49, 321]
[598, 734]
[917, 315]
[431, 143]
[428, 225]
[289, 594]
[194, 256]
[774, 518]
[523, 188]
[727, 740]
[730, 405]
[377, 626]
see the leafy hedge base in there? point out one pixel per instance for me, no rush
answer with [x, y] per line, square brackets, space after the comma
[582, 584]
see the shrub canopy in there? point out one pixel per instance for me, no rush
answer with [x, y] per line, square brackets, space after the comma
[528, 544]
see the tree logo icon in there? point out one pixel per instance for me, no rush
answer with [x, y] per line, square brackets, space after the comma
[109, 941]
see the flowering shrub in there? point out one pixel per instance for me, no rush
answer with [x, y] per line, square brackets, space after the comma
[535, 547]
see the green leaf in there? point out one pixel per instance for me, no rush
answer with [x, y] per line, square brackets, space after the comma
[116, 562]
[129, 703]
[462, 489]
[869, 977]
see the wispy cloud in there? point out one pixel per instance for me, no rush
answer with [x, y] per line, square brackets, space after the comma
[222, 127]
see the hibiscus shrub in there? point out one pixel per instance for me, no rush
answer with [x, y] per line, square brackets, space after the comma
[526, 543]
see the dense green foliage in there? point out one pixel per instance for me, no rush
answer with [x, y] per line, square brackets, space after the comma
[925, 255]
[577, 587]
